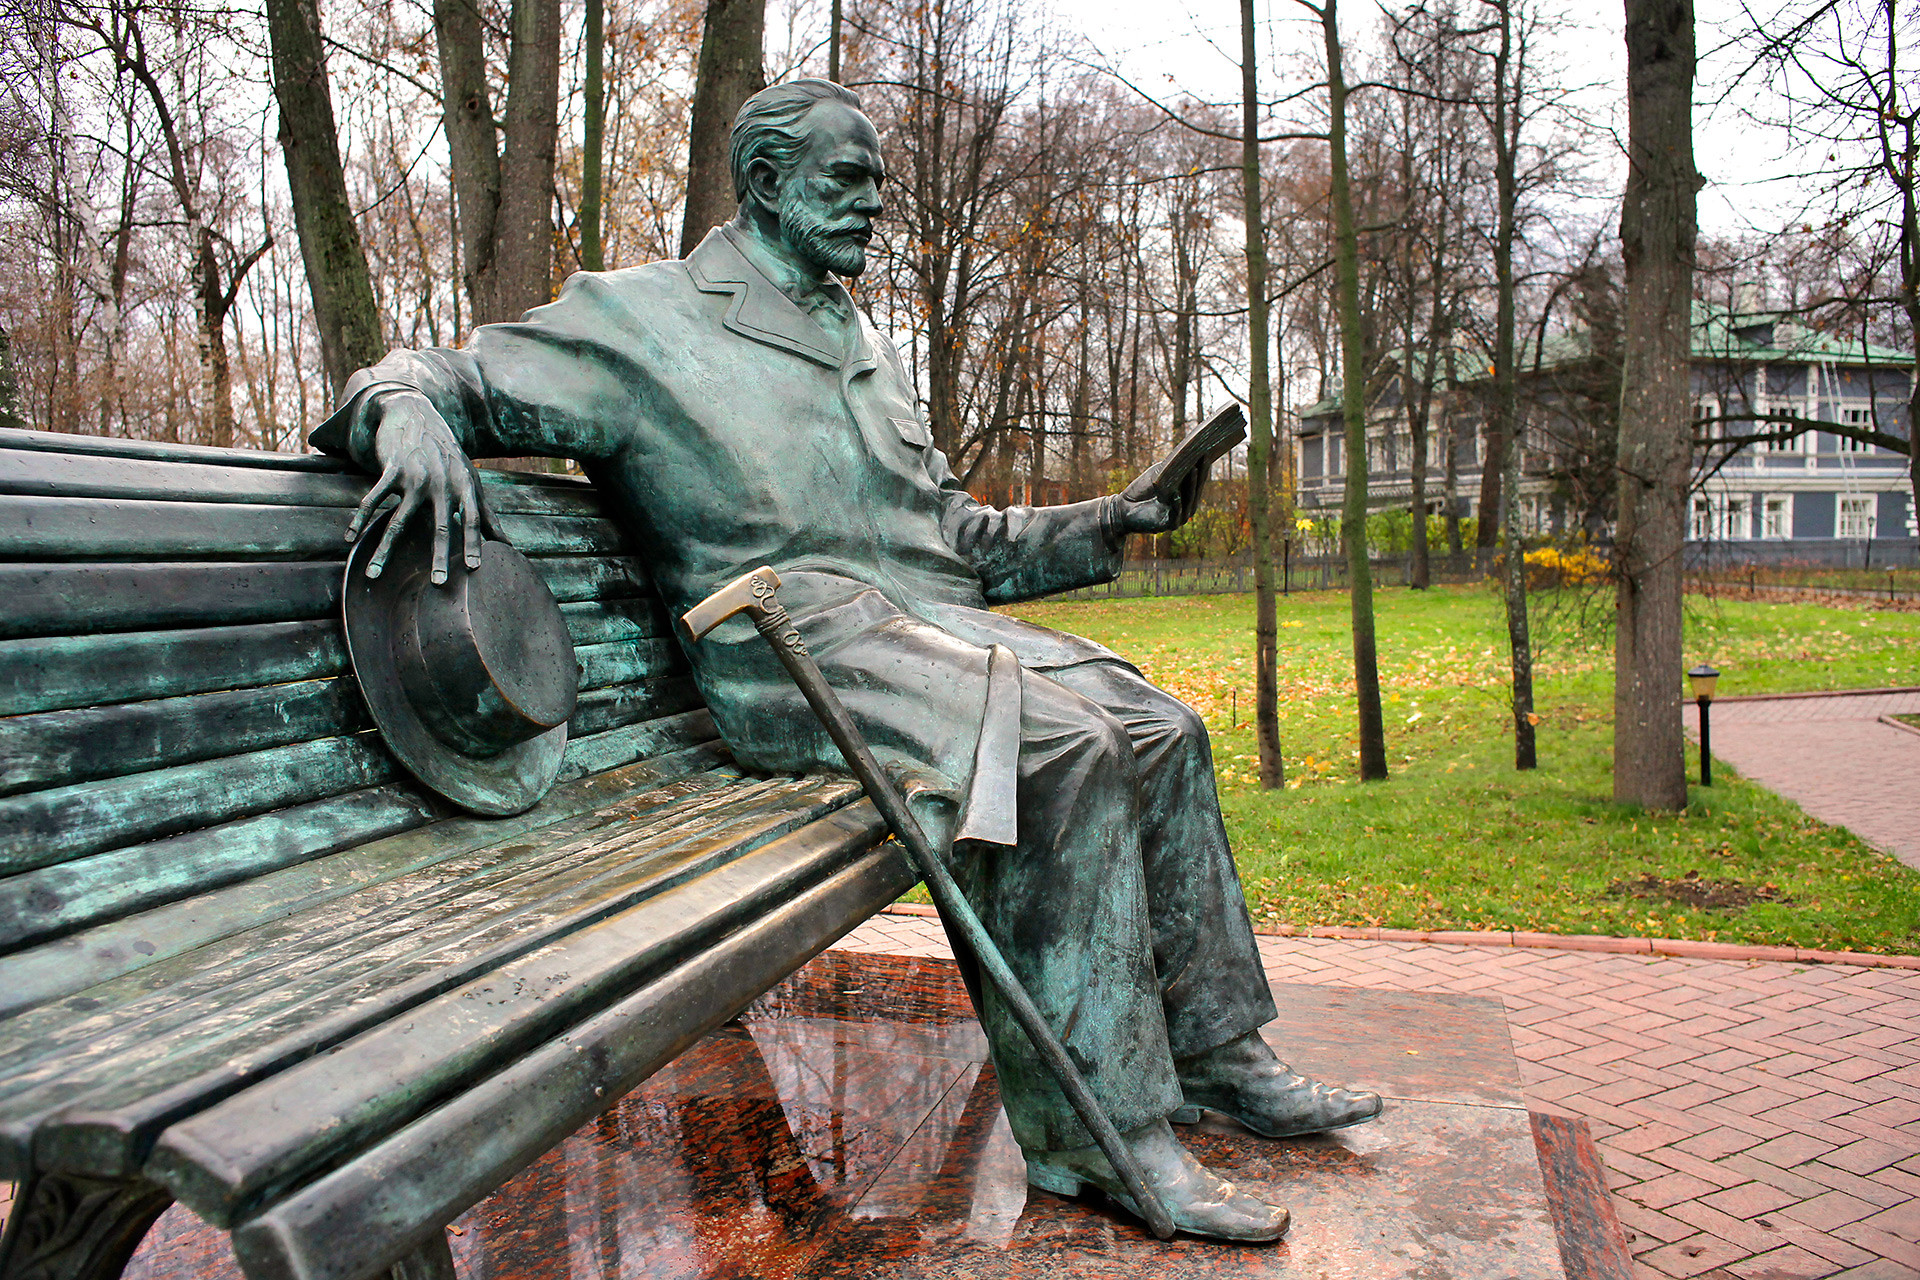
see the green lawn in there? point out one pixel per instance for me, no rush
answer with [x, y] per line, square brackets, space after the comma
[1457, 839]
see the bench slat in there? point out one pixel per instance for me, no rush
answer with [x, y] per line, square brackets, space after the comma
[313, 980]
[143, 952]
[53, 673]
[627, 704]
[42, 828]
[65, 475]
[57, 748]
[76, 599]
[628, 661]
[120, 447]
[33, 528]
[79, 598]
[630, 743]
[352, 1221]
[112, 1126]
[57, 900]
[222, 1162]
[607, 621]
[164, 1020]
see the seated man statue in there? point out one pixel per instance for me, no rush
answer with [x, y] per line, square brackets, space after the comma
[736, 409]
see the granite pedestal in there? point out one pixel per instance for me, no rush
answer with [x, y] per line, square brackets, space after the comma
[848, 1126]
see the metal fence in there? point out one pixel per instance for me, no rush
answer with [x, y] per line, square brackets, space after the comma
[1223, 575]
[1889, 574]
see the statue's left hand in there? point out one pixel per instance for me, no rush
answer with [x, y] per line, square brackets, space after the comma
[1156, 515]
[422, 463]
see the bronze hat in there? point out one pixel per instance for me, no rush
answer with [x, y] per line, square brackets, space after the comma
[470, 682]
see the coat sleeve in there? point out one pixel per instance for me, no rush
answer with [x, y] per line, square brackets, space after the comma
[1024, 552]
[555, 384]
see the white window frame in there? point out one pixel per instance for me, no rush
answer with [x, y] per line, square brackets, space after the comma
[1704, 408]
[1721, 517]
[1855, 416]
[1855, 524]
[1798, 444]
[1776, 516]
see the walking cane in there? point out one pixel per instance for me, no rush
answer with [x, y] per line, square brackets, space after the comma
[754, 595]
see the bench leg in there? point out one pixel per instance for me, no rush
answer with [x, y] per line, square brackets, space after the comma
[72, 1228]
[431, 1261]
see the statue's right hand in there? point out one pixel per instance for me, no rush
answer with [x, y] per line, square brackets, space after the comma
[421, 461]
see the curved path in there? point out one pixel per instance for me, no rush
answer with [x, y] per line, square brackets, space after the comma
[1833, 756]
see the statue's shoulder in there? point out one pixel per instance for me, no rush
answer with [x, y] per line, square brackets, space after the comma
[640, 288]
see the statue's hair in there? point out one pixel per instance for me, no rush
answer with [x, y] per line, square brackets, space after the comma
[768, 126]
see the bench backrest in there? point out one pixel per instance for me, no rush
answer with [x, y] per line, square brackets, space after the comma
[177, 711]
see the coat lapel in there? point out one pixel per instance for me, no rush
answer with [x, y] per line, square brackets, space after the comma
[760, 311]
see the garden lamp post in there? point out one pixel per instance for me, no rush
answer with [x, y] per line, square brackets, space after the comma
[1703, 678]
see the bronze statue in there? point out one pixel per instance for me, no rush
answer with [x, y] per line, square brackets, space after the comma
[737, 409]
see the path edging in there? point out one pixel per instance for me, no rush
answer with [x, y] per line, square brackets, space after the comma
[1681, 947]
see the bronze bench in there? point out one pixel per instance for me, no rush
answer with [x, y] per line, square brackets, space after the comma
[247, 964]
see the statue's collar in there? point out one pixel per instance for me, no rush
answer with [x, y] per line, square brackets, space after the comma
[761, 311]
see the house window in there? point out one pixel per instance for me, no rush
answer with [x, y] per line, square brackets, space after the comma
[1776, 517]
[1854, 519]
[1703, 426]
[1854, 418]
[1797, 444]
[1721, 518]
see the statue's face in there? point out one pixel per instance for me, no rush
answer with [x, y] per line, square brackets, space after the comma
[831, 195]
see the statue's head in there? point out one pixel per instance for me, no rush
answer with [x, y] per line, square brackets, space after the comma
[805, 155]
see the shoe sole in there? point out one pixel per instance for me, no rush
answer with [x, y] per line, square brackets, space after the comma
[1187, 1114]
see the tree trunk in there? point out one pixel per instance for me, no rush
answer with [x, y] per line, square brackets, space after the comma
[523, 254]
[1353, 517]
[1519, 637]
[1657, 225]
[592, 252]
[472, 148]
[730, 72]
[1506, 384]
[1266, 626]
[336, 263]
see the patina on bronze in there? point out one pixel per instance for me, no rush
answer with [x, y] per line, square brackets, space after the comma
[756, 595]
[735, 409]
[471, 681]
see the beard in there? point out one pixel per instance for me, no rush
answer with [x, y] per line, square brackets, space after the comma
[816, 240]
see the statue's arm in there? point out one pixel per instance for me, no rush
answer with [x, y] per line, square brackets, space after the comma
[1021, 552]
[417, 418]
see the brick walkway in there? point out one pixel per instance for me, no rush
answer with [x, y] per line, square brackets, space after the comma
[1833, 757]
[1761, 1120]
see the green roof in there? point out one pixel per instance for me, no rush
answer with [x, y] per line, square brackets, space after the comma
[1718, 334]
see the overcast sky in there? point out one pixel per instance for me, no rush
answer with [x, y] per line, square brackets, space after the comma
[1180, 46]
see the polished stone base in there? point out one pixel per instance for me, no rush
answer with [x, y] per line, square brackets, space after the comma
[848, 1126]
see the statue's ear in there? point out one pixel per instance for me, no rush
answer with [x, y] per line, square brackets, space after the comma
[763, 185]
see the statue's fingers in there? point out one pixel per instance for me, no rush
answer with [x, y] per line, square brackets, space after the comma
[471, 516]
[401, 514]
[370, 504]
[442, 524]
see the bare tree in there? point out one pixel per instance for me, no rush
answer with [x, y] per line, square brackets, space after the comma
[1657, 228]
[336, 264]
[731, 71]
[502, 174]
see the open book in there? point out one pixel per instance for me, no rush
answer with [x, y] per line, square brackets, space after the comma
[1198, 451]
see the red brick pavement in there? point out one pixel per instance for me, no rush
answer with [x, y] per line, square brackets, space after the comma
[1833, 757]
[1761, 1120]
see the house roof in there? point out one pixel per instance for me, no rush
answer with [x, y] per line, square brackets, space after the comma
[1718, 334]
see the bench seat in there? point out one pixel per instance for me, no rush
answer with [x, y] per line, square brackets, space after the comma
[246, 963]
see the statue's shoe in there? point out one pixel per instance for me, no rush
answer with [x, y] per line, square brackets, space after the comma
[1246, 1082]
[1200, 1202]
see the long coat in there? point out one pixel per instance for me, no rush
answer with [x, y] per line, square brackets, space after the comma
[726, 432]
